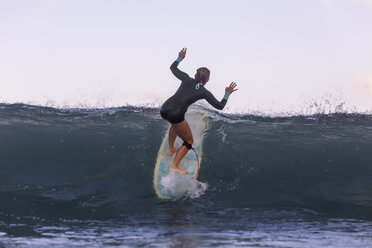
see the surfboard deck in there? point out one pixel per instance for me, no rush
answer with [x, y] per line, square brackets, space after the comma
[162, 176]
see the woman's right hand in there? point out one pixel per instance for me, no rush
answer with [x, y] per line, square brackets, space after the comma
[182, 54]
[231, 88]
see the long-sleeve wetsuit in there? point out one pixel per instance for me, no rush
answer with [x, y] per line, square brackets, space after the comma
[190, 91]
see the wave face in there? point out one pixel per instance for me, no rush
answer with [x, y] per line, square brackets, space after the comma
[99, 163]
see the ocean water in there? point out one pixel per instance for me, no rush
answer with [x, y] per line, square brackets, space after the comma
[84, 178]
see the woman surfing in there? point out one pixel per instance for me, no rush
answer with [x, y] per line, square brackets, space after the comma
[174, 109]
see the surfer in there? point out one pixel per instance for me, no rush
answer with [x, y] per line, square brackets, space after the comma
[174, 109]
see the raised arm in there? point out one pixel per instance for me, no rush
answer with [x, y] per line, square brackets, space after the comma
[214, 102]
[174, 67]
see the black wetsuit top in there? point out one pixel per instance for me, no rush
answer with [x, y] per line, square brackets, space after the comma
[190, 91]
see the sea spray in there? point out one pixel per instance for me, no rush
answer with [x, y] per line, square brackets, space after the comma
[174, 183]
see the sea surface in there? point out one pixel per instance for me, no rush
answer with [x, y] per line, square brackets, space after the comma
[84, 178]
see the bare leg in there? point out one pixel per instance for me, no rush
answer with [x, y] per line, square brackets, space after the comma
[180, 154]
[171, 138]
[184, 132]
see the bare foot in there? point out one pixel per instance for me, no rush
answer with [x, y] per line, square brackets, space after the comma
[172, 151]
[176, 169]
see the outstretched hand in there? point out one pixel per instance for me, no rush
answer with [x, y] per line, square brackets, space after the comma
[182, 54]
[231, 88]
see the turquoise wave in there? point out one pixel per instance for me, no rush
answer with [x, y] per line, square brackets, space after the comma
[99, 163]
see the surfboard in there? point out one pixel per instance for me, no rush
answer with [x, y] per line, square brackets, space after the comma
[173, 185]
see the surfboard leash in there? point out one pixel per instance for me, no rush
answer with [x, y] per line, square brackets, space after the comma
[189, 146]
[197, 156]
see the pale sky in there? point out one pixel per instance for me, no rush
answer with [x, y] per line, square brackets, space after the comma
[286, 56]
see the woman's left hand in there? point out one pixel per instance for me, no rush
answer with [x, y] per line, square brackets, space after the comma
[182, 53]
[231, 88]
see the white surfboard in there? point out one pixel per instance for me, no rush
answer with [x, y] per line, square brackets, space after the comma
[170, 184]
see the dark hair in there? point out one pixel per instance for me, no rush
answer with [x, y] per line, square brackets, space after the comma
[202, 75]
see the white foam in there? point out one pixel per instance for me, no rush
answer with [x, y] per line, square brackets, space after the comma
[176, 184]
